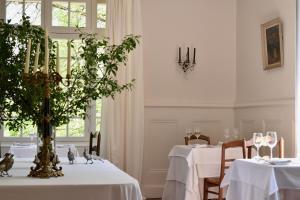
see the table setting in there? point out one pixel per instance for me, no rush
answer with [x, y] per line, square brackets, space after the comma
[188, 166]
[263, 177]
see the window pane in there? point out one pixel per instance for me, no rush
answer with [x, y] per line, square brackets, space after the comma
[14, 10]
[61, 131]
[8, 133]
[60, 13]
[33, 10]
[78, 15]
[63, 51]
[76, 127]
[101, 15]
[29, 129]
[98, 114]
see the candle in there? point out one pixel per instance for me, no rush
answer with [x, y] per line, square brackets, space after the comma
[46, 53]
[188, 55]
[36, 61]
[57, 59]
[27, 62]
[194, 59]
[69, 59]
[179, 61]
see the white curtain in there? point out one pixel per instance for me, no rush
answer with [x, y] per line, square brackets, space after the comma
[123, 117]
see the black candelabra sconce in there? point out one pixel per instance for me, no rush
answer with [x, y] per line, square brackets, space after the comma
[187, 64]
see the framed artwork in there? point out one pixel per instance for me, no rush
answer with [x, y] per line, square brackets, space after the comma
[272, 44]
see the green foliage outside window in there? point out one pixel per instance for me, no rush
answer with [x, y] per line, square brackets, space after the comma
[21, 103]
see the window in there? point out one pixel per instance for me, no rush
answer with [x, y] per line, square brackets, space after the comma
[61, 21]
[23, 132]
[16, 8]
[101, 14]
[69, 14]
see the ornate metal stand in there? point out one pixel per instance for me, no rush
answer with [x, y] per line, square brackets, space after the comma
[46, 160]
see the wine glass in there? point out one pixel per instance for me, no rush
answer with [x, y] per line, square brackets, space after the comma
[189, 132]
[236, 133]
[257, 141]
[226, 134]
[197, 132]
[271, 140]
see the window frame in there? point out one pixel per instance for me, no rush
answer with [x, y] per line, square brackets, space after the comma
[57, 32]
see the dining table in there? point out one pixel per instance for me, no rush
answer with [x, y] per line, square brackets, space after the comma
[263, 179]
[98, 181]
[189, 165]
[29, 150]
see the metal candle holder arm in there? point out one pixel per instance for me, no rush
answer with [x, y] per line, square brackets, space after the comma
[186, 64]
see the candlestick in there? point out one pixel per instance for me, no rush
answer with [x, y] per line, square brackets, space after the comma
[26, 68]
[179, 61]
[57, 59]
[36, 61]
[69, 60]
[46, 53]
[194, 58]
[188, 55]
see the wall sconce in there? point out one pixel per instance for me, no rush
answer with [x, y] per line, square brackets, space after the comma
[187, 64]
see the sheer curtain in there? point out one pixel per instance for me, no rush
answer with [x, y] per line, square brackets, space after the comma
[123, 117]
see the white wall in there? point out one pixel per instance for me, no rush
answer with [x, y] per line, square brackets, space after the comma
[175, 101]
[265, 99]
[228, 87]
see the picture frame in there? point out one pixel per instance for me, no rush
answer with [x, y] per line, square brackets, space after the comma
[272, 44]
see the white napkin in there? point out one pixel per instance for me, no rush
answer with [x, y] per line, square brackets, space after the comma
[278, 161]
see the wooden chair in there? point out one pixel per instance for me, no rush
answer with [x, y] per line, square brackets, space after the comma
[96, 147]
[216, 182]
[196, 139]
[279, 146]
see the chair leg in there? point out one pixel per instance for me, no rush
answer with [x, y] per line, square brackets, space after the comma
[220, 194]
[205, 196]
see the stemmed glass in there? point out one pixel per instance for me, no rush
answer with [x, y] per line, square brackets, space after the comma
[226, 134]
[271, 140]
[257, 141]
[236, 133]
[197, 132]
[189, 133]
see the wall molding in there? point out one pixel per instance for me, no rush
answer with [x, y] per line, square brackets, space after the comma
[186, 104]
[220, 105]
[266, 103]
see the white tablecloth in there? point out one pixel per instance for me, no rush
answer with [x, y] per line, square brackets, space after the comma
[99, 181]
[250, 179]
[29, 151]
[188, 166]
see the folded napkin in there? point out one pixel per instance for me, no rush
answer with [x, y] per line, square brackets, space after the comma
[278, 161]
[198, 145]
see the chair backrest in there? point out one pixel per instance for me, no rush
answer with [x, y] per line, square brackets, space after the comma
[249, 146]
[194, 139]
[280, 148]
[228, 145]
[96, 147]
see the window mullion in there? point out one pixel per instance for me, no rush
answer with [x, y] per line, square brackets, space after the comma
[69, 13]
[67, 131]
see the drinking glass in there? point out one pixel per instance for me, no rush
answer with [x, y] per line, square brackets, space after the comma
[236, 133]
[226, 134]
[271, 140]
[197, 132]
[189, 132]
[257, 141]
